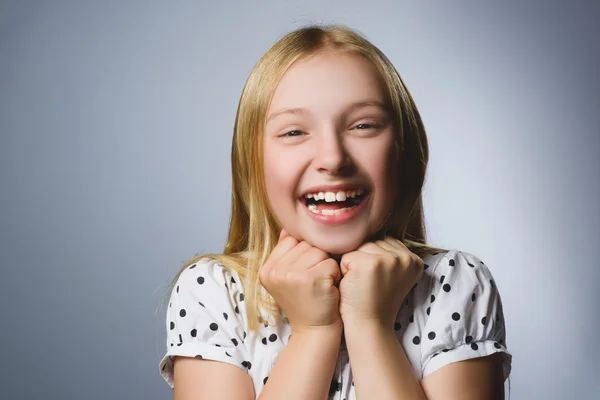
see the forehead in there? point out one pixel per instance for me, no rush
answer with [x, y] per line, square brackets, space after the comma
[327, 83]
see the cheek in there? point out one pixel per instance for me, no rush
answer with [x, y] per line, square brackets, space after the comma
[280, 178]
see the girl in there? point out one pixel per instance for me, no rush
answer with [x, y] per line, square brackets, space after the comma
[326, 286]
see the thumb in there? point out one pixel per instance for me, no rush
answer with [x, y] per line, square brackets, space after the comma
[345, 263]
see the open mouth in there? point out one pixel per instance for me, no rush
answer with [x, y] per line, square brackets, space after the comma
[333, 203]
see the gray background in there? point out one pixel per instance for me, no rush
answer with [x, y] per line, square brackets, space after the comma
[115, 129]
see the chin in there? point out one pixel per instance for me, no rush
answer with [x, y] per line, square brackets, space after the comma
[336, 247]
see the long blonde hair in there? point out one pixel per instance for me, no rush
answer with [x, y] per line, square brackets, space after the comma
[253, 230]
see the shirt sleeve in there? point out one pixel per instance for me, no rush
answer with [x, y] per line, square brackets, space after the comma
[465, 316]
[203, 318]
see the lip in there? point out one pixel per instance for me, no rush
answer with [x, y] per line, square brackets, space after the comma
[334, 188]
[337, 219]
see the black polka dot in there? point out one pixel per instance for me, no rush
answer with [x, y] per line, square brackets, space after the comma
[236, 309]
[442, 278]
[177, 288]
[432, 298]
[244, 335]
[171, 344]
[455, 316]
[473, 297]
[200, 280]
[169, 305]
[182, 313]
[194, 332]
[225, 316]
[469, 339]
[241, 296]
[179, 344]
[411, 318]
[265, 380]
[446, 288]
[218, 345]
[227, 354]
[234, 341]
[474, 346]
[445, 351]
[483, 320]
[428, 310]
[198, 356]
[232, 280]
[272, 337]
[471, 265]
[264, 340]
[201, 304]
[416, 340]
[214, 327]
[397, 326]
[431, 335]
[172, 325]
[497, 345]
[193, 266]
[247, 364]
[451, 262]
[425, 266]
[492, 282]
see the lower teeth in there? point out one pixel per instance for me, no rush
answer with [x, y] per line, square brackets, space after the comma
[313, 208]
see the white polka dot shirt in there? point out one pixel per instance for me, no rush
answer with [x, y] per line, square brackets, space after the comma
[454, 313]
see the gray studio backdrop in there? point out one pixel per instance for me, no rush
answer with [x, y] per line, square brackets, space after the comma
[115, 128]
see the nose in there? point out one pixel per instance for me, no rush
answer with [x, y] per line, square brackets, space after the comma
[331, 155]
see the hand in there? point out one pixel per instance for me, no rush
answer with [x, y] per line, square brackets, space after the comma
[302, 279]
[376, 278]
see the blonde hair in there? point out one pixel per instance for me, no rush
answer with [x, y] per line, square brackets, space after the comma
[253, 229]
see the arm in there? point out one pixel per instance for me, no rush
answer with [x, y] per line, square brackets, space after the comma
[381, 369]
[305, 366]
[303, 371]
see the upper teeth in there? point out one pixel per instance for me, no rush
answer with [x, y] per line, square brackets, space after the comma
[335, 196]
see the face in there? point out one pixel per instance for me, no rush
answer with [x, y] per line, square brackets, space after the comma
[329, 152]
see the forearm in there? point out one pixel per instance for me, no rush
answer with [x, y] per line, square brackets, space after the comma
[380, 367]
[304, 367]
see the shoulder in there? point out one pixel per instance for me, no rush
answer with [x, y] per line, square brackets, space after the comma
[456, 263]
[461, 309]
[208, 275]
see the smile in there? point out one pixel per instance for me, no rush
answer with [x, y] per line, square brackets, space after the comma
[334, 207]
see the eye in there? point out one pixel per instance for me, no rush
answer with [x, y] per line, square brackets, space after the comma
[366, 126]
[292, 134]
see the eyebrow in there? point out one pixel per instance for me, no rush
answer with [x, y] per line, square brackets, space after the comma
[349, 109]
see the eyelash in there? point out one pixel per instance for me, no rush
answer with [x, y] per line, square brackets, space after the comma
[369, 126]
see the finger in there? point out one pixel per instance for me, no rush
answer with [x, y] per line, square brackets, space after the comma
[328, 268]
[311, 257]
[282, 247]
[395, 242]
[294, 255]
[282, 235]
[371, 248]
[384, 244]
[351, 259]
